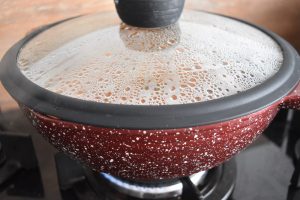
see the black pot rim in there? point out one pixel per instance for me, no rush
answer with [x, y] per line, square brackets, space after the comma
[143, 117]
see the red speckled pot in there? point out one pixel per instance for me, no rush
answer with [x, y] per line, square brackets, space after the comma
[149, 143]
[157, 154]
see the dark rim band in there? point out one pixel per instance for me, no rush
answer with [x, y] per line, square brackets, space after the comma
[149, 117]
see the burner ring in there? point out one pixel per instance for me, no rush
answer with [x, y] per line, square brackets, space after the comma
[166, 189]
[217, 183]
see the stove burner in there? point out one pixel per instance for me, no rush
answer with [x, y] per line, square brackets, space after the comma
[78, 182]
[155, 190]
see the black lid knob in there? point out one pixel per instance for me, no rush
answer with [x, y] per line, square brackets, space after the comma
[149, 13]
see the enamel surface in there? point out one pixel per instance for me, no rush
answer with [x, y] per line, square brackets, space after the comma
[293, 100]
[153, 154]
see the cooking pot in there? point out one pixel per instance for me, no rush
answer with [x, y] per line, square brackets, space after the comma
[150, 142]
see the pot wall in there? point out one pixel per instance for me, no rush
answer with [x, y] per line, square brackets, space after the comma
[152, 154]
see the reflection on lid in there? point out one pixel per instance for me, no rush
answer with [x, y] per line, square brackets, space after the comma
[94, 58]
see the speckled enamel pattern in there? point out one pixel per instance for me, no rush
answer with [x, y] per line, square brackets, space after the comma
[293, 100]
[157, 154]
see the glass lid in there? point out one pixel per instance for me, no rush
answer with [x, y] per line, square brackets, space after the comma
[200, 58]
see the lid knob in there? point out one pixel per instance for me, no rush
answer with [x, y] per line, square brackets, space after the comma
[149, 13]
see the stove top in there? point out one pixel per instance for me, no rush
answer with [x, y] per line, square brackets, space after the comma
[35, 170]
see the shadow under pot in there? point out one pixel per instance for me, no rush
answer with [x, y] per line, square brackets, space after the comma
[151, 104]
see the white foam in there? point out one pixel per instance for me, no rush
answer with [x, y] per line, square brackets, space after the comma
[209, 57]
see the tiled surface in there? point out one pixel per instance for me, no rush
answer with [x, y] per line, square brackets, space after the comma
[18, 17]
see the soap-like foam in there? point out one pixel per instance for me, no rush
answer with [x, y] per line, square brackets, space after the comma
[204, 57]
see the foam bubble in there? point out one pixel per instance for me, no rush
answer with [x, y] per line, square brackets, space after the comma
[205, 57]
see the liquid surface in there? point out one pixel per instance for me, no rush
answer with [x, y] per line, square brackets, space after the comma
[201, 58]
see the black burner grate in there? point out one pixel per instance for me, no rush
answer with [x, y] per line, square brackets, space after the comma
[19, 171]
[78, 183]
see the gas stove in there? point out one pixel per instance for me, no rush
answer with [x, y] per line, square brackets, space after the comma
[217, 183]
[31, 169]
